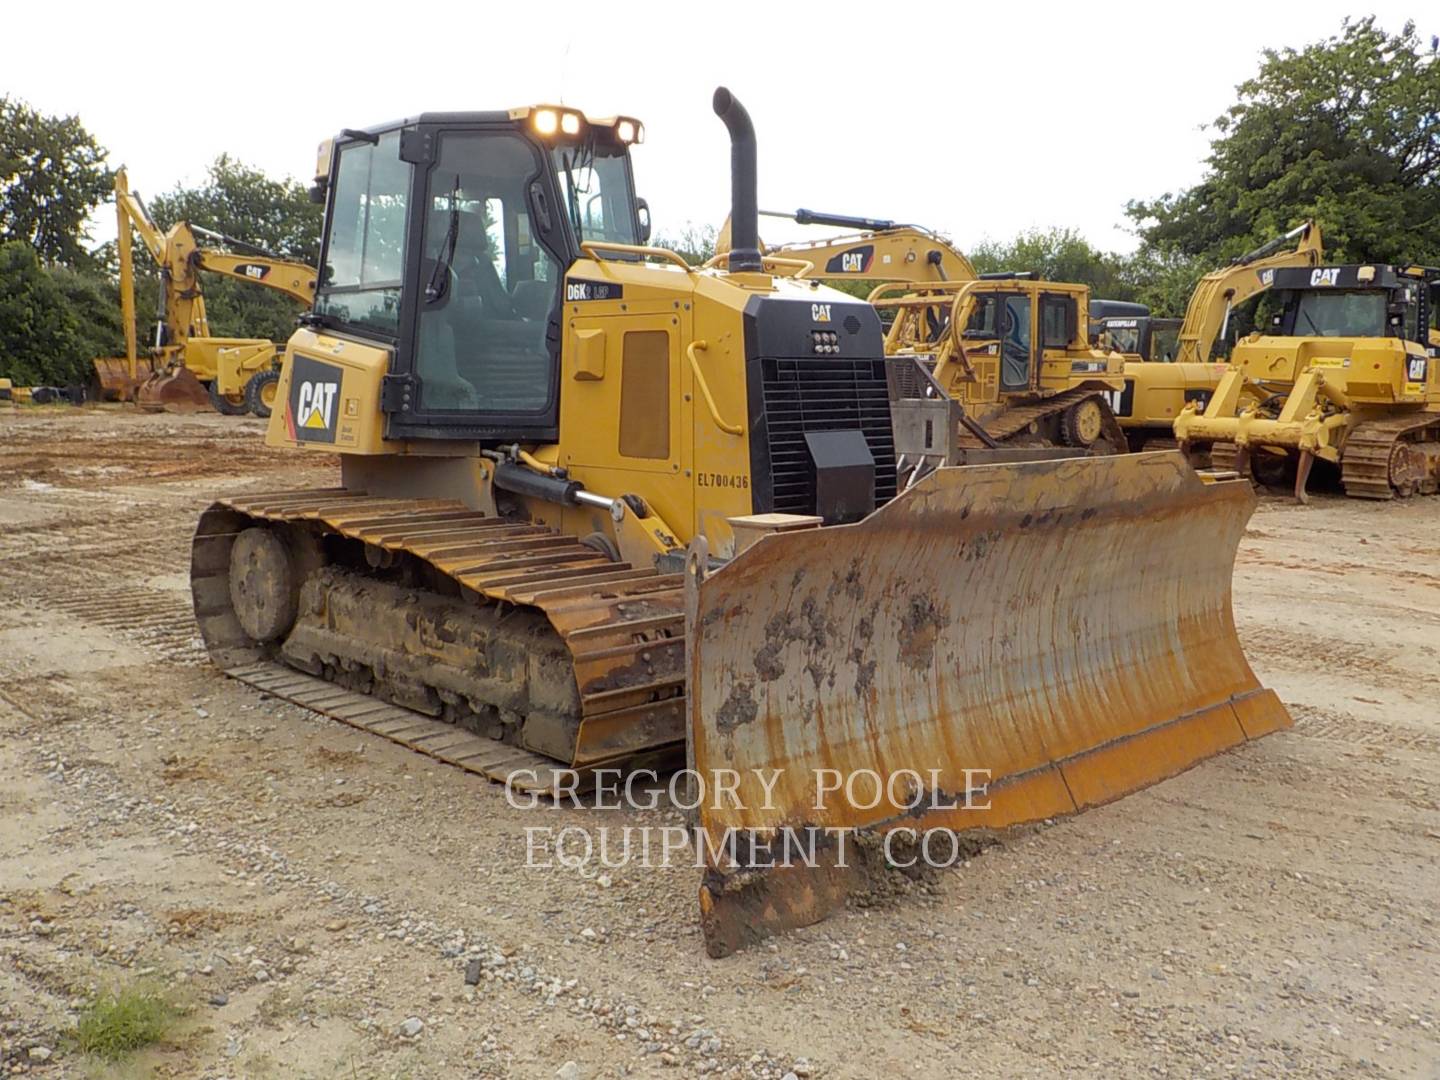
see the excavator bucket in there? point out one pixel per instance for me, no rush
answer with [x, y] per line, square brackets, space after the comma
[999, 644]
[175, 390]
[112, 374]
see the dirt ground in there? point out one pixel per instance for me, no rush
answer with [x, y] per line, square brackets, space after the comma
[313, 895]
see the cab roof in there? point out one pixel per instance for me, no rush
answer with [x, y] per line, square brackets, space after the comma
[1352, 276]
[487, 116]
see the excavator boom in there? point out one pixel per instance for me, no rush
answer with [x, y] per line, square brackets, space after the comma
[183, 348]
[883, 251]
[1218, 293]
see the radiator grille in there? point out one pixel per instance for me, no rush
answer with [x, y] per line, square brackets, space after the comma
[824, 395]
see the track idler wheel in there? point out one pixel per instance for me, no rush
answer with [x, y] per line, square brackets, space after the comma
[263, 589]
[1408, 469]
[1082, 423]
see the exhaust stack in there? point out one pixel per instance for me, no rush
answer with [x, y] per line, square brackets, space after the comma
[744, 197]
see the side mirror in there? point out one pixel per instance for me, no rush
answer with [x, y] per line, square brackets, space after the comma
[642, 211]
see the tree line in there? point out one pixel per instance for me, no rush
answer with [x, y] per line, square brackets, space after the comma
[60, 296]
[1345, 130]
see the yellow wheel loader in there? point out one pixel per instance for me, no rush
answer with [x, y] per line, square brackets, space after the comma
[1170, 363]
[187, 368]
[599, 507]
[1346, 373]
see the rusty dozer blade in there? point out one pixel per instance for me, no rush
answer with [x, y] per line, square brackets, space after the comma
[174, 390]
[999, 644]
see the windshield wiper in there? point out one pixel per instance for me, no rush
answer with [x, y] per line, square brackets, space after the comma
[439, 284]
[572, 191]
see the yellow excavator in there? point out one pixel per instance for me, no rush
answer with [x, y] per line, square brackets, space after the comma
[1010, 350]
[1347, 372]
[1160, 382]
[879, 250]
[598, 507]
[186, 366]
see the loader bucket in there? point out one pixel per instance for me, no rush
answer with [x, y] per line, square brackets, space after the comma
[175, 390]
[115, 381]
[1000, 644]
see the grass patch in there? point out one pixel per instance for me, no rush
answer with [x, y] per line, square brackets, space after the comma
[117, 1024]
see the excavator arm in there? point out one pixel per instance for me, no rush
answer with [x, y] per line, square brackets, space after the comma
[180, 257]
[295, 280]
[1207, 316]
[881, 251]
[174, 253]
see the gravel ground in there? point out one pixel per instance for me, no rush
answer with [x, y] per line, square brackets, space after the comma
[327, 904]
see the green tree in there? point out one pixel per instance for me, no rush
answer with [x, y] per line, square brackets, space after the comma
[1162, 280]
[41, 338]
[1344, 131]
[93, 299]
[275, 216]
[1057, 255]
[694, 243]
[52, 174]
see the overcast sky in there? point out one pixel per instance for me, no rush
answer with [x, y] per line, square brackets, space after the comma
[984, 120]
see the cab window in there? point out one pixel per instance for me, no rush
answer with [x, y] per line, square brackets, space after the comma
[365, 256]
[1340, 314]
[981, 323]
[487, 287]
[1057, 317]
[595, 186]
[1124, 339]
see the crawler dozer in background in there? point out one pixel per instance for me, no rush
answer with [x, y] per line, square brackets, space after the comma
[186, 366]
[1346, 373]
[1159, 383]
[600, 507]
[1019, 369]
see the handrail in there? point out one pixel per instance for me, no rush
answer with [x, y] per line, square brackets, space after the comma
[594, 247]
[917, 294]
[729, 429]
[802, 266]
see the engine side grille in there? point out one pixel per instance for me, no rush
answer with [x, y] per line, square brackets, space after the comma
[805, 395]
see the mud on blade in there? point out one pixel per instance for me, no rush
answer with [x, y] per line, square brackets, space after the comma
[1061, 630]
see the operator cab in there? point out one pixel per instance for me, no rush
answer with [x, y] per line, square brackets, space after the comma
[1149, 338]
[1356, 301]
[484, 211]
[1026, 323]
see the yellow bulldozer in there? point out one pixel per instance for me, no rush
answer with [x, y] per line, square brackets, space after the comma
[188, 368]
[598, 507]
[1010, 350]
[1170, 363]
[1347, 373]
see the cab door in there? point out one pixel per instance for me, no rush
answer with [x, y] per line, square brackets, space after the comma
[1017, 339]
